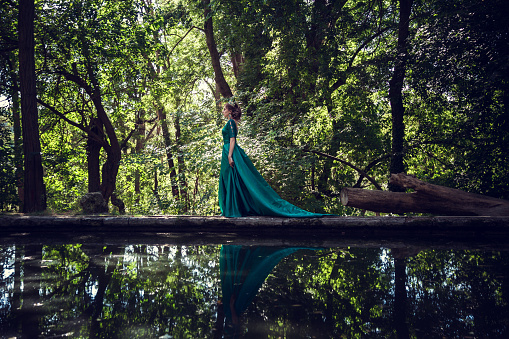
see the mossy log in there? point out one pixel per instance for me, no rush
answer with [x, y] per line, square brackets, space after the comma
[426, 198]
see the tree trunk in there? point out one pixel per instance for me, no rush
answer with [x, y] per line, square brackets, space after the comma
[237, 62]
[109, 172]
[169, 155]
[427, 198]
[34, 191]
[182, 166]
[223, 86]
[113, 150]
[18, 141]
[322, 185]
[111, 145]
[395, 89]
[93, 156]
[140, 138]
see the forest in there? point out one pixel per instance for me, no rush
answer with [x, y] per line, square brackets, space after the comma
[125, 98]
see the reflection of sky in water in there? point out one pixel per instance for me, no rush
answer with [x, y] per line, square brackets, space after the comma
[162, 258]
[7, 283]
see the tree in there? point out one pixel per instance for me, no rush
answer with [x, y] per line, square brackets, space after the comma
[96, 58]
[221, 83]
[34, 191]
[395, 91]
[459, 81]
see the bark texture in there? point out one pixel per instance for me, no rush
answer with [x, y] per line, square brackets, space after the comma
[93, 156]
[18, 141]
[34, 190]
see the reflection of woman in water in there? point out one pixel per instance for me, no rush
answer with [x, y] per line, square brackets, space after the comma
[243, 270]
[242, 190]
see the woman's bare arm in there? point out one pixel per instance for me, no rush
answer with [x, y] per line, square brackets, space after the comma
[230, 153]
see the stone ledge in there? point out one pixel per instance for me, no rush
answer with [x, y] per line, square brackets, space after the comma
[393, 232]
[9, 223]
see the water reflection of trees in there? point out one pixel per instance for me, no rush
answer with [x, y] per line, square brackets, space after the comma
[149, 291]
[112, 292]
[459, 294]
[326, 294]
[400, 293]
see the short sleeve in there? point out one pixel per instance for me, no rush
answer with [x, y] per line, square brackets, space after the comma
[232, 129]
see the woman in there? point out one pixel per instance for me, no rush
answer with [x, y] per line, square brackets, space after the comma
[242, 190]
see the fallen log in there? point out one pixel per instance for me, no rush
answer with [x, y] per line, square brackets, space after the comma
[426, 198]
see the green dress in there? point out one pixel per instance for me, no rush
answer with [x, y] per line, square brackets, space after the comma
[243, 191]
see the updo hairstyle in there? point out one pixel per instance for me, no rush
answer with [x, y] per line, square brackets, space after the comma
[235, 111]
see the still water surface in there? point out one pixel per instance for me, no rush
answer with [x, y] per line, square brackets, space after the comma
[236, 291]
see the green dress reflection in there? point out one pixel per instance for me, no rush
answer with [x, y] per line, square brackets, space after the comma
[243, 191]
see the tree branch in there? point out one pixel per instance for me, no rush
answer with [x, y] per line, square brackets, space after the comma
[73, 123]
[370, 165]
[149, 134]
[182, 38]
[124, 142]
[360, 171]
[366, 42]
[77, 80]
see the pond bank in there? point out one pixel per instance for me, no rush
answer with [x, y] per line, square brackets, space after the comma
[431, 232]
[341, 225]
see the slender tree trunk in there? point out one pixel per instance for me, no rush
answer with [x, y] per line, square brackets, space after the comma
[323, 179]
[223, 86]
[169, 155]
[140, 138]
[34, 191]
[18, 141]
[181, 166]
[313, 176]
[395, 92]
[156, 189]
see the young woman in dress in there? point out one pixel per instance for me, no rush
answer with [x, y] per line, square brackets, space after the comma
[242, 190]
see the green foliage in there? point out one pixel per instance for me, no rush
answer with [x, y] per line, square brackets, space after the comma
[459, 97]
[314, 77]
[8, 196]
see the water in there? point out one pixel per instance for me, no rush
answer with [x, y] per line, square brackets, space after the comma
[166, 289]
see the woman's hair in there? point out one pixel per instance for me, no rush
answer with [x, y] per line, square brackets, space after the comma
[235, 110]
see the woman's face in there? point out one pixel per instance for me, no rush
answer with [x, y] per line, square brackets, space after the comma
[226, 112]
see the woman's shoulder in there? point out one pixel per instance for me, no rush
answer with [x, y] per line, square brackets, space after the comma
[233, 122]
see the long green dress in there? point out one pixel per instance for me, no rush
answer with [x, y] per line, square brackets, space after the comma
[243, 191]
